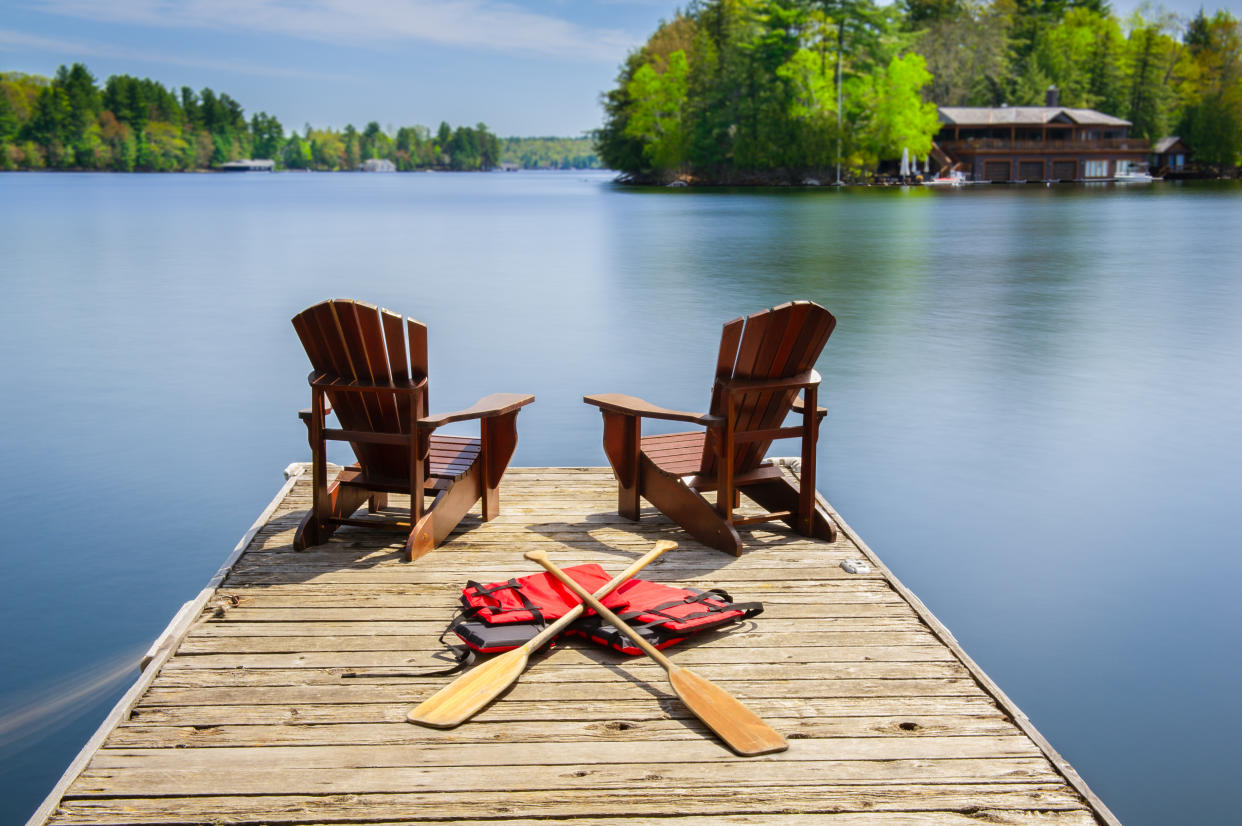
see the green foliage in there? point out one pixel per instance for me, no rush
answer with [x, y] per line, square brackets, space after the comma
[550, 153]
[1211, 118]
[296, 154]
[738, 90]
[755, 96]
[138, 124]
[896, 117]
[268, 136]
[655, 119]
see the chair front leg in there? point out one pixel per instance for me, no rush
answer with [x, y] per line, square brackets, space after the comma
[726, 493]
[420, 448]
[622, 437]
[498, 440]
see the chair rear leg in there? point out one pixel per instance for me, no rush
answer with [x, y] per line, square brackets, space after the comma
[781, 495]
[338, 502]
[498, 437]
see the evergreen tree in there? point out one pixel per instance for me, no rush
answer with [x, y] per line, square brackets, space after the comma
[268, 136]
[1211, 120]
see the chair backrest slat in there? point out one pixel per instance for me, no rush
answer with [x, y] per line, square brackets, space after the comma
[729, 338]
[356, 341]
[350, 409]
[418, 356]
[752, 407]
[780, 342]
[780, 355]
[371, 344]
[356, 357]
[394, 340]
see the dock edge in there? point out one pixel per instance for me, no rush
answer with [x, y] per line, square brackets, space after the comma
[166, 643]
[989, 686]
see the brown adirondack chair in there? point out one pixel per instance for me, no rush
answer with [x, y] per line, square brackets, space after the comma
[365, 371]
[765, 360]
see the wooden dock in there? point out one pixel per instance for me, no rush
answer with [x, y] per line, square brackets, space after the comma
[243, 715]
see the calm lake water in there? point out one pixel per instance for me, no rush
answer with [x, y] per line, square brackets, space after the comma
[1036, 410]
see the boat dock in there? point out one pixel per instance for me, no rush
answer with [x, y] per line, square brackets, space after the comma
[243, 715]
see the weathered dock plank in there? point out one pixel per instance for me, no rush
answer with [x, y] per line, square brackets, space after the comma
[247, 717]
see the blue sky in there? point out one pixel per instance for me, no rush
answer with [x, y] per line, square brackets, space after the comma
[523, 67]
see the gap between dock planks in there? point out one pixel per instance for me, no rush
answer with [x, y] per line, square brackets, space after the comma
[249, 722]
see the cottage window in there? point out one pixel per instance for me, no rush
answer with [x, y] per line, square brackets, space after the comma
[1095, 169]
[1123, 167]
[1179, 161]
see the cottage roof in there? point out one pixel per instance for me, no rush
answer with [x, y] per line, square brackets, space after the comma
[1024, 115]
[1165, 144]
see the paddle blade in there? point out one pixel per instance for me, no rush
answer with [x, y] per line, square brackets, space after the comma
[734, 723]
[462, 698]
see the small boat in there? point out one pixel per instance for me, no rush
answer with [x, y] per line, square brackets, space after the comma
[1134, 175]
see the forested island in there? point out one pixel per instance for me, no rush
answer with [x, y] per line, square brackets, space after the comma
[779, 91]
[135, 124]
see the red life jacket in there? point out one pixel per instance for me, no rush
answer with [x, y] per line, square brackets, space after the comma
[664, 615]
[538, 598]
[502, 615]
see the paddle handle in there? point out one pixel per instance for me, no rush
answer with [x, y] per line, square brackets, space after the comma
[616, 582]
[542, 558]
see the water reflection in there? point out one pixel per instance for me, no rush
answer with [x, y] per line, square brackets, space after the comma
[1033, 394]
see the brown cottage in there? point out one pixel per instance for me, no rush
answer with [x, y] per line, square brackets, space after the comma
[1037, 143]
[1170, 156]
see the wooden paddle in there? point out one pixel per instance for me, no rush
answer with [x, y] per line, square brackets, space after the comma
[738, 726]
[465, 696]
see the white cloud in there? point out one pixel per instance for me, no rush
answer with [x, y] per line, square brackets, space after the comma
[484, 24]
[73, 49]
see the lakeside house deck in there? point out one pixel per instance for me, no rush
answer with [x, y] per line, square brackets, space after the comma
[242, 715]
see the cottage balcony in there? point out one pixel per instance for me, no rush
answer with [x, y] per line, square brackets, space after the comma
[972, 145]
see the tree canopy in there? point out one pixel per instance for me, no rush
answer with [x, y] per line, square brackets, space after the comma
[70, 122]
[735, 91]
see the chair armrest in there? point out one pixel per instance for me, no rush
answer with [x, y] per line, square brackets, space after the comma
[633, 406]
[803, 379]
[799, 406]
[497, 404]
[305, 413]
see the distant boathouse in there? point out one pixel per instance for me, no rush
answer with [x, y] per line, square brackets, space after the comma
[248, 165]
[377, 165]
[1011, 144]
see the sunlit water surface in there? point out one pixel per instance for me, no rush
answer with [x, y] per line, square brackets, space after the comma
[1035, 410]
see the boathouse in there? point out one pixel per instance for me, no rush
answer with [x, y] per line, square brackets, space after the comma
[1013, 144]
[377, 165]
[249, 165]
[1170, 156]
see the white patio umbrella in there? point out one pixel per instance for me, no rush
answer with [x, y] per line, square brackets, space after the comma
[905, 163]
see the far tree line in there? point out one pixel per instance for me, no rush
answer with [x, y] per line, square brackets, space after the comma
[136, 124]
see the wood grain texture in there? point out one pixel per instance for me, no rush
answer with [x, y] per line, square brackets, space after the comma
[251, 722]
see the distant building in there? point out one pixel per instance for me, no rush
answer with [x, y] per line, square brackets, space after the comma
[248, 165]
[509, 166]
[1170, 156]
[1037, 143]
[377, 165]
